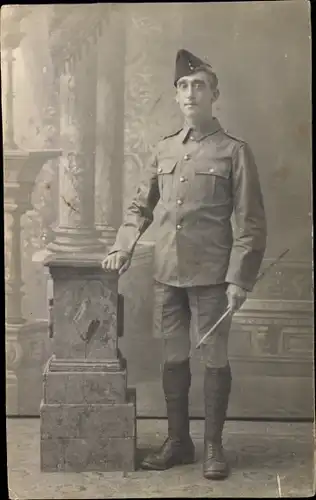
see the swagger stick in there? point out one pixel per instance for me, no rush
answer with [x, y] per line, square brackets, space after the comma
[228, 310]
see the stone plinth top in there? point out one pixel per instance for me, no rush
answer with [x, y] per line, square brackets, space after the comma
[76, 260]
[23, 166]
[86, 365]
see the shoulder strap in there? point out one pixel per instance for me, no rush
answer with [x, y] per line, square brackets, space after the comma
[239, 139]
[172, 135]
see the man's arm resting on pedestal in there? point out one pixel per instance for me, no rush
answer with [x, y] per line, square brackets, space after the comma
[250, 239]
[138, 217]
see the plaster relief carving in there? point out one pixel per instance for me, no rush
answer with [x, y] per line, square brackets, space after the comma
[267, 339]
[91, 309]
[14, 354]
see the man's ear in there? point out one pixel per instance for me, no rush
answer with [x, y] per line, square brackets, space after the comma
[215, 95]
[176, 97]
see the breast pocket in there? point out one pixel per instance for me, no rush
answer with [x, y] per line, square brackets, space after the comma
[165, 171]
[213, 181]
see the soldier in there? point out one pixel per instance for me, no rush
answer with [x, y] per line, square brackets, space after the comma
[201, 176]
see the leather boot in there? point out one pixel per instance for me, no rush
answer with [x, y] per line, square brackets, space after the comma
[178, 448]
[217, 385]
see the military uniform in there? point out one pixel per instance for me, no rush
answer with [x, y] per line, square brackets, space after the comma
[199, 179]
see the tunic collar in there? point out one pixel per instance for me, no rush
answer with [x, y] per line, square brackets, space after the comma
[197, 135]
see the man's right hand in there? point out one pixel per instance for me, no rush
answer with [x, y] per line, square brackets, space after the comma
[117, 261]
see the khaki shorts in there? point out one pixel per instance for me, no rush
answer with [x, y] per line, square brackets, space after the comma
[181, 311]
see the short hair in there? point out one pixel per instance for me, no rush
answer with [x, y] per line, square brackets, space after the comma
[212, 77]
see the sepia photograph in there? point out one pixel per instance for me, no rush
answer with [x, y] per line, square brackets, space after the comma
[158, 250]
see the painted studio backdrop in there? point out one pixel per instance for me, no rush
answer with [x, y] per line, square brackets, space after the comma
[121, 57]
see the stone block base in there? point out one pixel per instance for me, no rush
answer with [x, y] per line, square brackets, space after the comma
[86, 421]
[94, 437]
[89, 454]
[85, 387]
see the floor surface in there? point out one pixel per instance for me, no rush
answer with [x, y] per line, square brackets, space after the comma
[268, 460]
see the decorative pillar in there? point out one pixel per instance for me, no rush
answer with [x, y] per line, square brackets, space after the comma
[88, 415]
[13, 259]
[20, 171]
[9, 142]
[14, 319]
[76, 231]
[110, 126]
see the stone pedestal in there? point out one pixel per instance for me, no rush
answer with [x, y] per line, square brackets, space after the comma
[88, 415]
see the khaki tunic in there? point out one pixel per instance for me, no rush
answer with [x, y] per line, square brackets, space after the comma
[199, 182]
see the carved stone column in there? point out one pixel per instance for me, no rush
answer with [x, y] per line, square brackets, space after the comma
[9, 142]
[76, 231]
[14, 319]
[13, 261]
[110, 126]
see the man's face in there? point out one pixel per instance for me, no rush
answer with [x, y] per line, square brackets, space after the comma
[195, 96]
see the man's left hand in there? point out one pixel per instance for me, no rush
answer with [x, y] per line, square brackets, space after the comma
[236, 296]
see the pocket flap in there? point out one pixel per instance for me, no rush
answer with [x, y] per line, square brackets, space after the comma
[219, 169]
[166, 166]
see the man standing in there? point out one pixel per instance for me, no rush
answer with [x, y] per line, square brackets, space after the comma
[200, 176]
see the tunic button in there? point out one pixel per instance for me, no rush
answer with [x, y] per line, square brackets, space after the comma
[187, 157]
[182, 179]
[179, 202]
[211, 170]
[159, 169]
[179, 226]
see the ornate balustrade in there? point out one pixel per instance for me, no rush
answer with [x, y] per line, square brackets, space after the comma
[21, 169]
